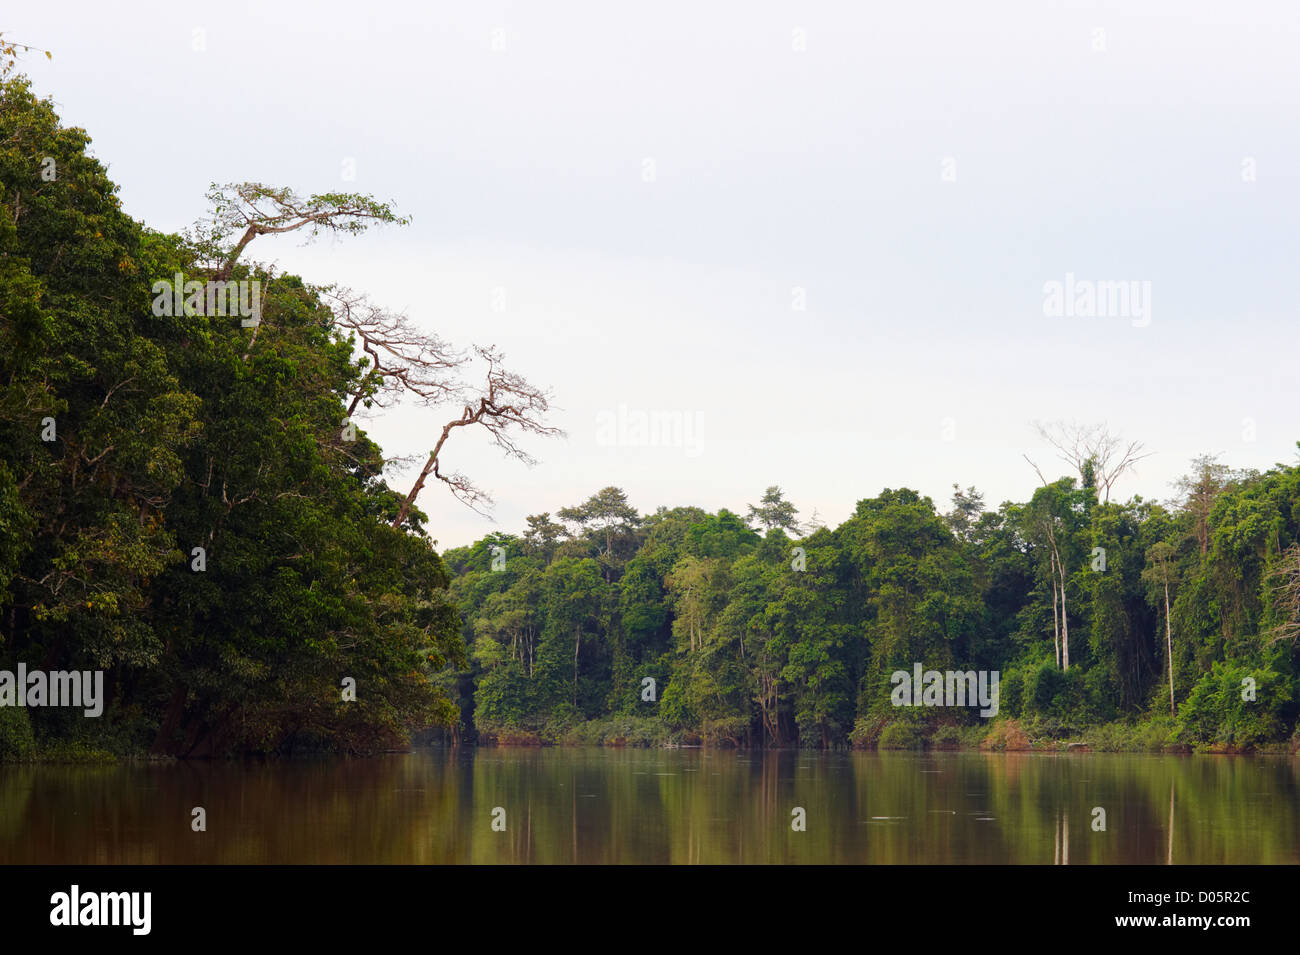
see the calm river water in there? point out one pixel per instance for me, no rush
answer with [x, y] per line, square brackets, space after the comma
[660, 806]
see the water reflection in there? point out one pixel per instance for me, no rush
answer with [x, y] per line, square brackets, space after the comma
[678, 806]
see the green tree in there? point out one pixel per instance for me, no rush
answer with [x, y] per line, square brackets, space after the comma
[774, 511]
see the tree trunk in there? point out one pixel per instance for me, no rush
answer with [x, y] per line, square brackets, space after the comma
[577, 637]
[1056, 626]
[1056, 620]
[429, 467]
[1065, 620]
[223, 274]
[1169, 644]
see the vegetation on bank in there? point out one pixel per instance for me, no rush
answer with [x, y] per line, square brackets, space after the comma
[1115, 626]
[187, 505]
[184, 503]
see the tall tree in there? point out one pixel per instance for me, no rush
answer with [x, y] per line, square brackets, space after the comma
[1159, 571]
[607, 519]
[1100, 456]
[1199, 490]
[967, 506]
[774, 511]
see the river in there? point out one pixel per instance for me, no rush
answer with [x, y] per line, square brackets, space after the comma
[659, 806]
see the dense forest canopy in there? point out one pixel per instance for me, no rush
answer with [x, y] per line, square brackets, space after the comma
[187, 505]
[183, 503]
[603, 624]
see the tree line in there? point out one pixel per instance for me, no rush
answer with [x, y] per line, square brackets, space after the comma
[1139, 624]
[189, 504]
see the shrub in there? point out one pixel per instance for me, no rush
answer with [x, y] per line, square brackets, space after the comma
[947, 737]
[1011, 689]
[638, 731]
[1107, 738]
[1215, 712]
[866, 732]
[730, 731]
[16, 738]
[901, 735]
[1054, 693]
[1006, 736]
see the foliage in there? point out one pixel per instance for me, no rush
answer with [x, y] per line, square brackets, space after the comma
[1218, 712]
[773, 640]
[129, 438]
[182, 508]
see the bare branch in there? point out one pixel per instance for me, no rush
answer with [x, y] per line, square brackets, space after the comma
[1036, 469]
[506, 405]
[401, 357]
[1093, 451]
[1285, 580]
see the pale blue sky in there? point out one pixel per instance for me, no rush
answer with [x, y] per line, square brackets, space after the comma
[775, 169]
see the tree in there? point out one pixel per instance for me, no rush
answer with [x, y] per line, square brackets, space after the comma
[774, 511]
[1200, 489]
[174, 507]
[401, 358]
[1159, 571]
[252, 209]
[573, 600]
[723, 535]
[505, 406]
[9, 51]
[542, 535]
[967, 506]
[1100, 456]
[1052, 517]
[812, 525]
[607, 518]
[1284, 581]
[689, 588]
[809, 655]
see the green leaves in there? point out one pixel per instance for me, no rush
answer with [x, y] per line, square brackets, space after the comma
[172, 435]
[758, 647]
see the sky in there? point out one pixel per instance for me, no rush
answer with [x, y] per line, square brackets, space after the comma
[818, 240]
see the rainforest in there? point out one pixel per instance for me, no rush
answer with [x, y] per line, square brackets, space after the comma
[188, 507]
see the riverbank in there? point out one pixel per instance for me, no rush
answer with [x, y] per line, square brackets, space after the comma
[1159, 735]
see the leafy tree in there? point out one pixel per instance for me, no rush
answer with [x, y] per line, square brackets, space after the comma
[774, 511]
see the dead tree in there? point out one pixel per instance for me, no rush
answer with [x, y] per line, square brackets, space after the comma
[1099, 456]
[402, 359]
[1285, 579]
[506, 405]
[1061, 625]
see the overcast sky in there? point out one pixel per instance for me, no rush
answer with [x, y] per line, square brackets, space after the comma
[816, 235]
